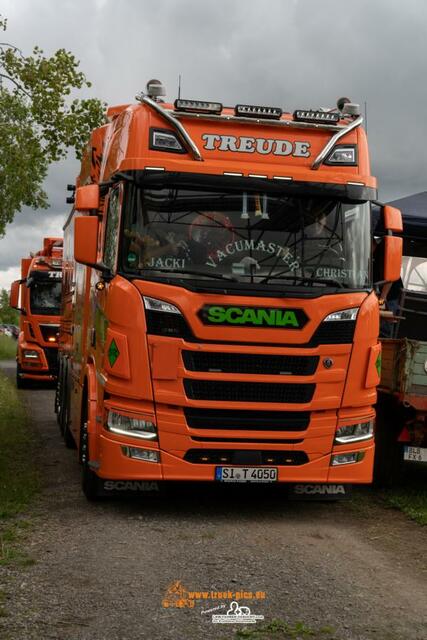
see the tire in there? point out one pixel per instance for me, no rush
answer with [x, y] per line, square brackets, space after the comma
[388, 465]
[57, 404]
[21, 383]
[64, 414]
[91, 483]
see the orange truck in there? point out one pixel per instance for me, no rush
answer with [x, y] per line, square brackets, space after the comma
[220, 320]
[38, 293]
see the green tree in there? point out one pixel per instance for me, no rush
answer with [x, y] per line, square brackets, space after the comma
[39, 122]
[7, 314]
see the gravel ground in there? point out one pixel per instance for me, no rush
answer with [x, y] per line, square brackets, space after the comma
[102, 571]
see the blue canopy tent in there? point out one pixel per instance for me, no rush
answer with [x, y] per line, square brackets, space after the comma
[414, 214]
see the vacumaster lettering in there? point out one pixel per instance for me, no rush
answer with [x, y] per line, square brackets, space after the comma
[264, 146]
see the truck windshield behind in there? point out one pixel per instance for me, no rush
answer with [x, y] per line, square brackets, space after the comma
[45, 297]
[249, 237]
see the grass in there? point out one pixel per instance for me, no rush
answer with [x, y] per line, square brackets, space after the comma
[19, 479]
[7, 348]
[280, 630]
[411, 499]
[18, 475]
[11, 553]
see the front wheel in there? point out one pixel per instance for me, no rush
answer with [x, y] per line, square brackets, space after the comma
[21, 383]
[91, 483]
[388, 467]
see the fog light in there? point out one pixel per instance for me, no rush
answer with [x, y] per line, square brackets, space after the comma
[128, 426]
[347, 458]
[148, 455]
[354, 432]
[30, 354]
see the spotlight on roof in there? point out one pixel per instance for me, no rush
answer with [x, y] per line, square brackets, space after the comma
[155, 89]
[341, 102]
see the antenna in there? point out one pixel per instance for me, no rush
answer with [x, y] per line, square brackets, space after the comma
[366, 116]
[179, 86]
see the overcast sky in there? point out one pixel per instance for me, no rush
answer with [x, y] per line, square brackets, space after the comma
[293, 53]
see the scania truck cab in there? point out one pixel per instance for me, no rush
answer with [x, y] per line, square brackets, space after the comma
[218, 279]
[38, 297]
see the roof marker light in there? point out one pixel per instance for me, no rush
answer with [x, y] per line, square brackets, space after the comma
[256, 175]
[154, 168]
[162, 140]
[282, 178]
[344, 155]
[232, 173]
[253, 111]
[311, 115]
[197, 106]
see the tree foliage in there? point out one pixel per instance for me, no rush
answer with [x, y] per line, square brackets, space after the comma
[39, 121]
[7, 314]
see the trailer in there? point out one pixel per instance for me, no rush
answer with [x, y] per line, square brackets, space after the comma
[402, 399]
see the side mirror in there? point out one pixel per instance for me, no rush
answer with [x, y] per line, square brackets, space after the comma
[87, 197]
[86, 239]
[14, 294]
[393, 247]
[392, 219]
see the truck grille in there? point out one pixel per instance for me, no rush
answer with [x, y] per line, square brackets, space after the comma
[245, 457]
[250, 363]
[341, 332]
[49, 331]
[247, 391]
[246, 420]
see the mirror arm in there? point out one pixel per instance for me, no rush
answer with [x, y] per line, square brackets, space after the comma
[106, 273]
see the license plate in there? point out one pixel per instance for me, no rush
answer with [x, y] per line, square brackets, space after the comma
[415, 454]
[246, 474]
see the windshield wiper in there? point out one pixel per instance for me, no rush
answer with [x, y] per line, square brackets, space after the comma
[298, 280]
[193, 272]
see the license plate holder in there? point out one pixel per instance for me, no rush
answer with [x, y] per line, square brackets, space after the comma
[246, 474]
[415, 454]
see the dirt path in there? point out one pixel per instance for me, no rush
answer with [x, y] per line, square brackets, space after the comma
[102, 571]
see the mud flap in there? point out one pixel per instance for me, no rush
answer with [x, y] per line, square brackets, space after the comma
[320, 492]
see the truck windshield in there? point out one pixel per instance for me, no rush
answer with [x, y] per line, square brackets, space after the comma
[248, 237]
[45, 297]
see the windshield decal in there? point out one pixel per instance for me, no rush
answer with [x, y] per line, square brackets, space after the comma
[264, 146]
[254, 316]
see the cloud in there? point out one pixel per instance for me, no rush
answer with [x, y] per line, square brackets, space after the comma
[293, 53]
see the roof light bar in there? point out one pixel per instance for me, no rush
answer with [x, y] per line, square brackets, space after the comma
[253, 111]
[310, 115]
[197, 106]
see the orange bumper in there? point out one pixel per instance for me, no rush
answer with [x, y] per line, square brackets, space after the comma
[115, 465]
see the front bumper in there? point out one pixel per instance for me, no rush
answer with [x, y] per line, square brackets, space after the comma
[114, 465]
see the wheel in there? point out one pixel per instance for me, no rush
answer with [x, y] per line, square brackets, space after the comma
[57, 404]
[388, 465]
[21, 383]
[64, 414]
[91, 483]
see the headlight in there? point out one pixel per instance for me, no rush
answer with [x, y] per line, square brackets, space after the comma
[127, 426]
[31, 354]
[164, 319]
[347, 458]
[344, 314]
[354, 432]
